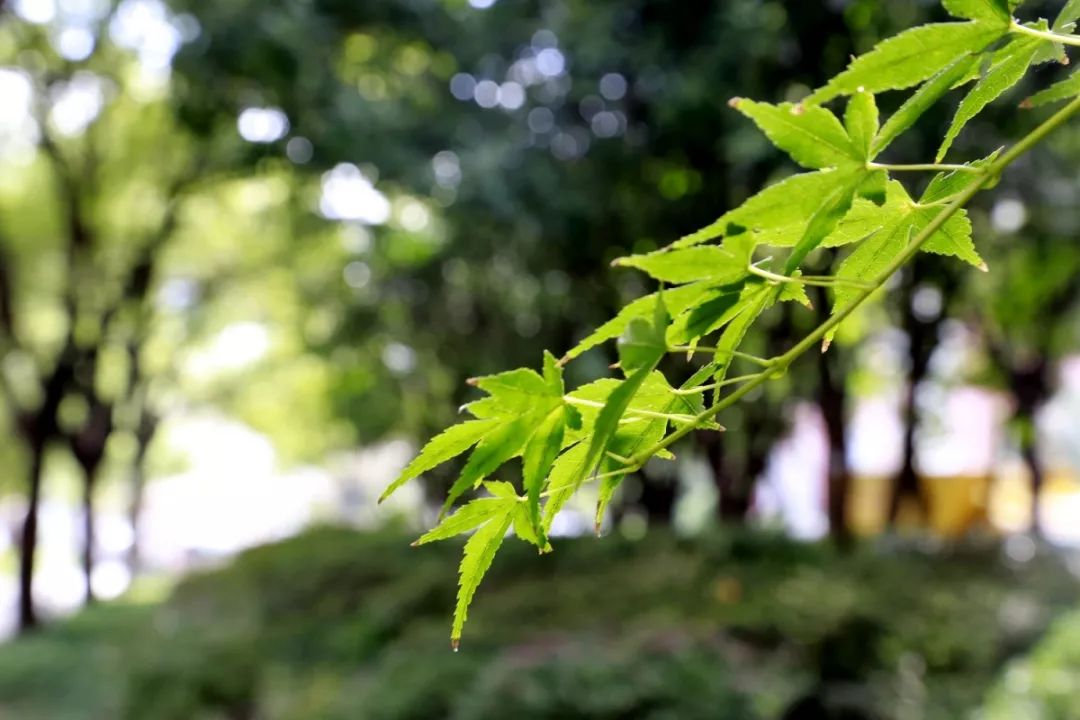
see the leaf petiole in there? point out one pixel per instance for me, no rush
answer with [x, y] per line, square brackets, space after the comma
[721, 351]
[722, 383]
[812, 280]
[673, 417]
[927, 167]
[592, 478]
[1045, 34]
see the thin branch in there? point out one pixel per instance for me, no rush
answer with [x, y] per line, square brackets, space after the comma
[783, 361]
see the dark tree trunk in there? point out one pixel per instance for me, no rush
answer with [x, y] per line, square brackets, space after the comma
[1030, 387]
[1029, 451]
[832, 400]
[138, 488]
[922, 334]
[734, 503]
[38, 429]
[88, 446]
[89, 485]
[28, 543]
[907, 482]
[144, 435]
[657, 499]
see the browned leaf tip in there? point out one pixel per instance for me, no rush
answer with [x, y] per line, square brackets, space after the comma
[1026, 104]
[472, 381]
[734, 102]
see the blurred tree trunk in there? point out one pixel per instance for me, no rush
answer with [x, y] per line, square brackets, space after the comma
[922, 334]
[28, 541]
[88, 446]
[88, 535]
[1030, 386]
[147, 428]
[733, 504]
[832, 400]
[38, 429]
[657, 499]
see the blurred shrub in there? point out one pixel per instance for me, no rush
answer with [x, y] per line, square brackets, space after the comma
[336, 624]
[1046, 684]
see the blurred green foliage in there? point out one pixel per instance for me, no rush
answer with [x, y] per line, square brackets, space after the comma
[1046, 684]
[335, 624]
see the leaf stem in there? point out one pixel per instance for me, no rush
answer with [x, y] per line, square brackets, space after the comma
[812, 280]
[928, 167]
[783, 361]
[592, 478]
[673, 417]
[721, 351]
[1045, 34]
[716, 385]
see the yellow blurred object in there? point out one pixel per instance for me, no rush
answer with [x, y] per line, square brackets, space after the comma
[727, 590]
[868, 505]
[957, 504]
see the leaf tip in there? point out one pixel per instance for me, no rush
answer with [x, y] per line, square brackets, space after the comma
[825, 344]
[472, 382]
[798, 109]
[1026, 104]
[734, 102]
[983, 266]
[455, 644]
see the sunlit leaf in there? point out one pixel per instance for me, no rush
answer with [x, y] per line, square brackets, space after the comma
[920, 101]
[1069, 14]
[705, 262]
[775, 216]
[505, 442]
[540, 453]
[446, 445]
[1064, 90]
[479, 552]
[468, 517]
[1007, 69]
[825, 219]
[811, 135]
[991, 10]
[676, 299]
[911, 57]
[861, 123]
